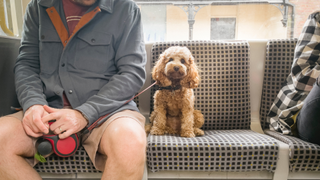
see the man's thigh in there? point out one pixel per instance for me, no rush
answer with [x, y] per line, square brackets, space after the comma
[308, 119]
[14, 139]
[114, 127]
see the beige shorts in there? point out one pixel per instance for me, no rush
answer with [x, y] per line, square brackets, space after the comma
[91, 141]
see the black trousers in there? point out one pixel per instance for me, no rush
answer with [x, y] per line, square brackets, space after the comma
[308, 119]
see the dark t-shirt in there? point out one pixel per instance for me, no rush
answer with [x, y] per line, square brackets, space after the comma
[73, 13]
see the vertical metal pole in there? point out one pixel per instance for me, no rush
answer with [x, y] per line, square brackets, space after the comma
[293, 19]
[14, 17]
[191, 22]
[3, 24]
[285, 14]
[191, 12]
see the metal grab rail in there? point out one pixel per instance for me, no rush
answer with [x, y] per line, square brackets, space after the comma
[3, 24]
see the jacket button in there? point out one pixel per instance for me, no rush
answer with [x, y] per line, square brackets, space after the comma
[93, 40]
[70, 91]
[63, 64]
[42, 37]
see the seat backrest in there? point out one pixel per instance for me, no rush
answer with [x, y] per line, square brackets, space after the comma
[279, 58]
[9, 48]
[224, 93]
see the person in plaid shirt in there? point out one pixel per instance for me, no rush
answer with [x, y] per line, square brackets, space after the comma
[298, 102]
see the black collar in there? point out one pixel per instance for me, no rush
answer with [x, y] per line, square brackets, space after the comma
[169, 88]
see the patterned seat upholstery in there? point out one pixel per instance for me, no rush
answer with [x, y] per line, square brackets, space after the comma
[224, 99]
[78, 163]
[279, 58]
[304, 156]
[217, 150]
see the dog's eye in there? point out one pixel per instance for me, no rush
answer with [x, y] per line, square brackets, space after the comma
[183, 61]
[170, 59]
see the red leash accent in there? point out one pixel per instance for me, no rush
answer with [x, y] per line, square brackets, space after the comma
[102, 117]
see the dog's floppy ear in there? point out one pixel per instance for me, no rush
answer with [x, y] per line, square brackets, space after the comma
[158, 72]
[192, 79]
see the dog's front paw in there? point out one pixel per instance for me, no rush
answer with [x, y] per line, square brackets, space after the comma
[188, 133]
[198, 132]
[156, 131]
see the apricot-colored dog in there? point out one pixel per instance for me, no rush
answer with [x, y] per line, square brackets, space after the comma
[177, 75]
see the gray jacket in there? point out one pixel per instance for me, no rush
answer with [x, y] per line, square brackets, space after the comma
[99, 67]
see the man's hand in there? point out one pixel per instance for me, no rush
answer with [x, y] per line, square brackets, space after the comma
[32, 121]
[68, 121]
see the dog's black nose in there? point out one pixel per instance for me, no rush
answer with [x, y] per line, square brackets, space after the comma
[176, 68]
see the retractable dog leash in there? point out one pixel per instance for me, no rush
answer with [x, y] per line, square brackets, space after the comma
[61, 147]
[67, 147]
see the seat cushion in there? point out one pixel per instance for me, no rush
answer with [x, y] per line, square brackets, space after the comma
[217, 150]
[78, 163]
[303, 156]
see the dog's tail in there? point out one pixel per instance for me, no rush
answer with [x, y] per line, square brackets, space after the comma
[198, 119]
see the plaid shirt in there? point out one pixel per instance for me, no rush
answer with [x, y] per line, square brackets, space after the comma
[305, 69]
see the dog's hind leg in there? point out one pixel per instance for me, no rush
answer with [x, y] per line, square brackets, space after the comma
[198, 132]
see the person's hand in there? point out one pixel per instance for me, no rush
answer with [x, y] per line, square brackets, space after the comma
[32, 121]
[68, 121]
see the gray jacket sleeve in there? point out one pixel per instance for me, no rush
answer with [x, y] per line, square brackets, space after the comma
[29, 87]
[130, 60]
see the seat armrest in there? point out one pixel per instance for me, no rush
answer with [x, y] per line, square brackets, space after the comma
[255, 123]
[282, 171]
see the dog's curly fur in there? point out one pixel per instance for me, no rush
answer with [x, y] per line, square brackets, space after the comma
[174, 108]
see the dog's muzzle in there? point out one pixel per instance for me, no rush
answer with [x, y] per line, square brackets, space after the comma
[175, 71]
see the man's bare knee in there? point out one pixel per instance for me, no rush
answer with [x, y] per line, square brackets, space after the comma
[13, 138]
[124, 139]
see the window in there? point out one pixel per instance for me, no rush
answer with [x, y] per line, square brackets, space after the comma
[155, 31]
[174, 20]
[223, 28]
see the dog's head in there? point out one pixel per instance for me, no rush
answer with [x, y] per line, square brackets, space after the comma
[176, 65]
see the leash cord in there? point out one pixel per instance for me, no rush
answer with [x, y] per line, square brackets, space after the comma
[97, 121]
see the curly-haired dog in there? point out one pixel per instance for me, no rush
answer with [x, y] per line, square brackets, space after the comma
[176, 74]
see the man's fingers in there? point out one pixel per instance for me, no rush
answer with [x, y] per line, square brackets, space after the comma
[49, 117]
[38, 122]
[57, 129]
[43, 128]
[45, 113]
[49, 109]
[31, 133]
[66, 134]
